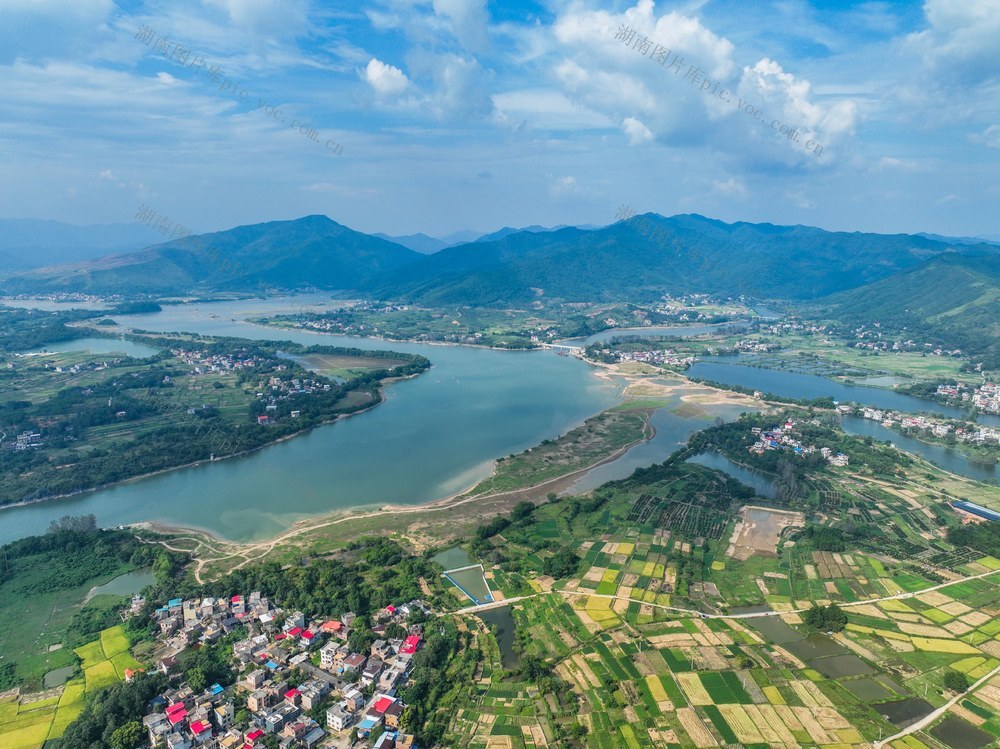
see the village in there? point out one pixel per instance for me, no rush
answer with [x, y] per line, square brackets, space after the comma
[986, 397]
[782, 437]
[666, 357]
[299, 682]
[972, 433]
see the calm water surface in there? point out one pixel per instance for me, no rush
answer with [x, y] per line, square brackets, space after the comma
[434, 435]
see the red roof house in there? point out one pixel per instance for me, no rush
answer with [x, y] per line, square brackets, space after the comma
[410, 644]
[382, 705]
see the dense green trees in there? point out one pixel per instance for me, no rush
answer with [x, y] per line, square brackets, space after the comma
[564, 563]
[825, 618]
[955, 681]
[984, 537]
[111, 710]
[825, 538]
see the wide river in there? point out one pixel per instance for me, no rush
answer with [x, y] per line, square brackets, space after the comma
[434, 435]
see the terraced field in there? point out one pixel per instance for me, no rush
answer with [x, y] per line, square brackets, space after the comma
[28, 725]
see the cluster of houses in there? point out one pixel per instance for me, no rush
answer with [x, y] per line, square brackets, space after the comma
[26, 440]
[277, 389]
[295, 672]
[874, 339]
[782, 437]
[986, 397]
[974, 433]
[666, 357]
[203, 362]
[778, 328]
[755, 346]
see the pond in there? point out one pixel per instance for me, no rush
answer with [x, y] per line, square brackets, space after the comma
[505, 629]
[453, 558]
[867, 690]
[772, 627]
[57, 677]
[838, 666]
[902, 713]
[124, 585]
[761, 484]
[816, 645]
[958, 734]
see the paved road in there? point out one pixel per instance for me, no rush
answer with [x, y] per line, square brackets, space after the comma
[703, 615]
[488, 606]
[928, 719]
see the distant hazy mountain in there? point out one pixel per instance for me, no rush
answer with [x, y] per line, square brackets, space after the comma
[960, 240]
[33, 243]
[952, 300]
[534, 229]
[649, 255]
[460, 237]
[417, 242]
[314, 251]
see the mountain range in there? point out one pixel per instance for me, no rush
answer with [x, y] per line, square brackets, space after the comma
[636, 260]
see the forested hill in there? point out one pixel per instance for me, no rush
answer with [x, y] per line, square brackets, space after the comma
[951, 300]
[309, 252]
[648, 255]
[636, 260]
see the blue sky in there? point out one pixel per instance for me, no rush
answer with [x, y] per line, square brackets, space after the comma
[463, 114]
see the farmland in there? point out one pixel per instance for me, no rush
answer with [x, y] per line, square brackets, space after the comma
[28, 724]
[626, 633]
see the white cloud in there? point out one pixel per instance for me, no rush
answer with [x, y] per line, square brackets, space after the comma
[990, 137]
[274, 18]
[961, 42]
[548, 108]
[637, 132]
[731, 187]
[385, 79]
[600, 71]
[890, 164]
[468, 20]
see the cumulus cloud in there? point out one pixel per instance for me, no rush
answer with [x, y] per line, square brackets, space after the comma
[601, 63]
[637, 132]
[385, 79]
[961, 42]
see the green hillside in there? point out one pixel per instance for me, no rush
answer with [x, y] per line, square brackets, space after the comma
[637, 260]
[952, 300]
[313, 251]
[640, 259]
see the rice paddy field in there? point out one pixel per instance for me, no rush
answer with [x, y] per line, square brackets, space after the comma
[28, 722]
[628, 637]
